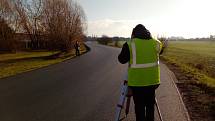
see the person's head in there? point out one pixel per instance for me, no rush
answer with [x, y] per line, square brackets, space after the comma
[141, 32]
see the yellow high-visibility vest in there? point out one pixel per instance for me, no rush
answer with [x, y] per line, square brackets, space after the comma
[144, 67]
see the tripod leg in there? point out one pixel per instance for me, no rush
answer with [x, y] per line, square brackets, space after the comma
[127, 105]
[159, 113]
[121, 100]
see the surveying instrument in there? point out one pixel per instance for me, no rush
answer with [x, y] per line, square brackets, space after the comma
[123, 96]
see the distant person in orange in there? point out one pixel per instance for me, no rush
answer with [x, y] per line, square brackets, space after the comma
[77, 48]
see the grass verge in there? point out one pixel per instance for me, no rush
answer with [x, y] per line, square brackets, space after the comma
[192, 64]
[15, 63]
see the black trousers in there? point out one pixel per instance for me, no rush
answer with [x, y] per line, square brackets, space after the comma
[77, 52]
[144, 100]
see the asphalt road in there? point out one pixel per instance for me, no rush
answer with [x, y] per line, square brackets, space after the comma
[82, 89]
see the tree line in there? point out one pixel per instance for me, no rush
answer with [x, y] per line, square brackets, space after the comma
[48, 24]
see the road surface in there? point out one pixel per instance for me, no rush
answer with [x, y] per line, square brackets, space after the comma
[82, 89]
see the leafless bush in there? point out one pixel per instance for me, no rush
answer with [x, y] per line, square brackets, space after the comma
[7, 42]
[63, 22]
[104, 40]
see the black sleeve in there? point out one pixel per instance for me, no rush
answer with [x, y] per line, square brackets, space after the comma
[124, 55]
[162, 50]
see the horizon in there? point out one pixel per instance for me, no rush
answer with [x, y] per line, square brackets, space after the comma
[178, 18]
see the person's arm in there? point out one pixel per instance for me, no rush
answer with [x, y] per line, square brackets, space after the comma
[124, 55]
[161, 52]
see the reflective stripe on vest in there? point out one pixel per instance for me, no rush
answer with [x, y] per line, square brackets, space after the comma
[134, 64]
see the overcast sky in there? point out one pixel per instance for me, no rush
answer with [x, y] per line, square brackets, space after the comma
[187, 18]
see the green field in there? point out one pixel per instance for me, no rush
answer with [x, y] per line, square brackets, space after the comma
[196, 57]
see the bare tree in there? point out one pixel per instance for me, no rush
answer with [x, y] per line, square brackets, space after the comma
[5, 9]
[29, 13]
[63, 20]
[34, 10]
[7, 41]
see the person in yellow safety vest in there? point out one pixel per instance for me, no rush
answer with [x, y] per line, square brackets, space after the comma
[142, 53]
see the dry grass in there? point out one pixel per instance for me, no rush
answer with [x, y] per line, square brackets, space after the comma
[15, 63]
[194, 57]
[193, 64]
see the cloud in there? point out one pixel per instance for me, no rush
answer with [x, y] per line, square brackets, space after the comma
[111, 27]
[124, 27]
[174, 26]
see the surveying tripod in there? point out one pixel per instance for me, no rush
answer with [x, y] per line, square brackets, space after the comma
[123, 97]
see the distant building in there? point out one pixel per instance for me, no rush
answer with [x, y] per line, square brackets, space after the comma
[176, 38]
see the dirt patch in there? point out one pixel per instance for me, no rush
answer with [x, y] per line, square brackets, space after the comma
[198, 98]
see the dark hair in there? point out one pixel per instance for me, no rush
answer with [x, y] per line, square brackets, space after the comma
[141, 32]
